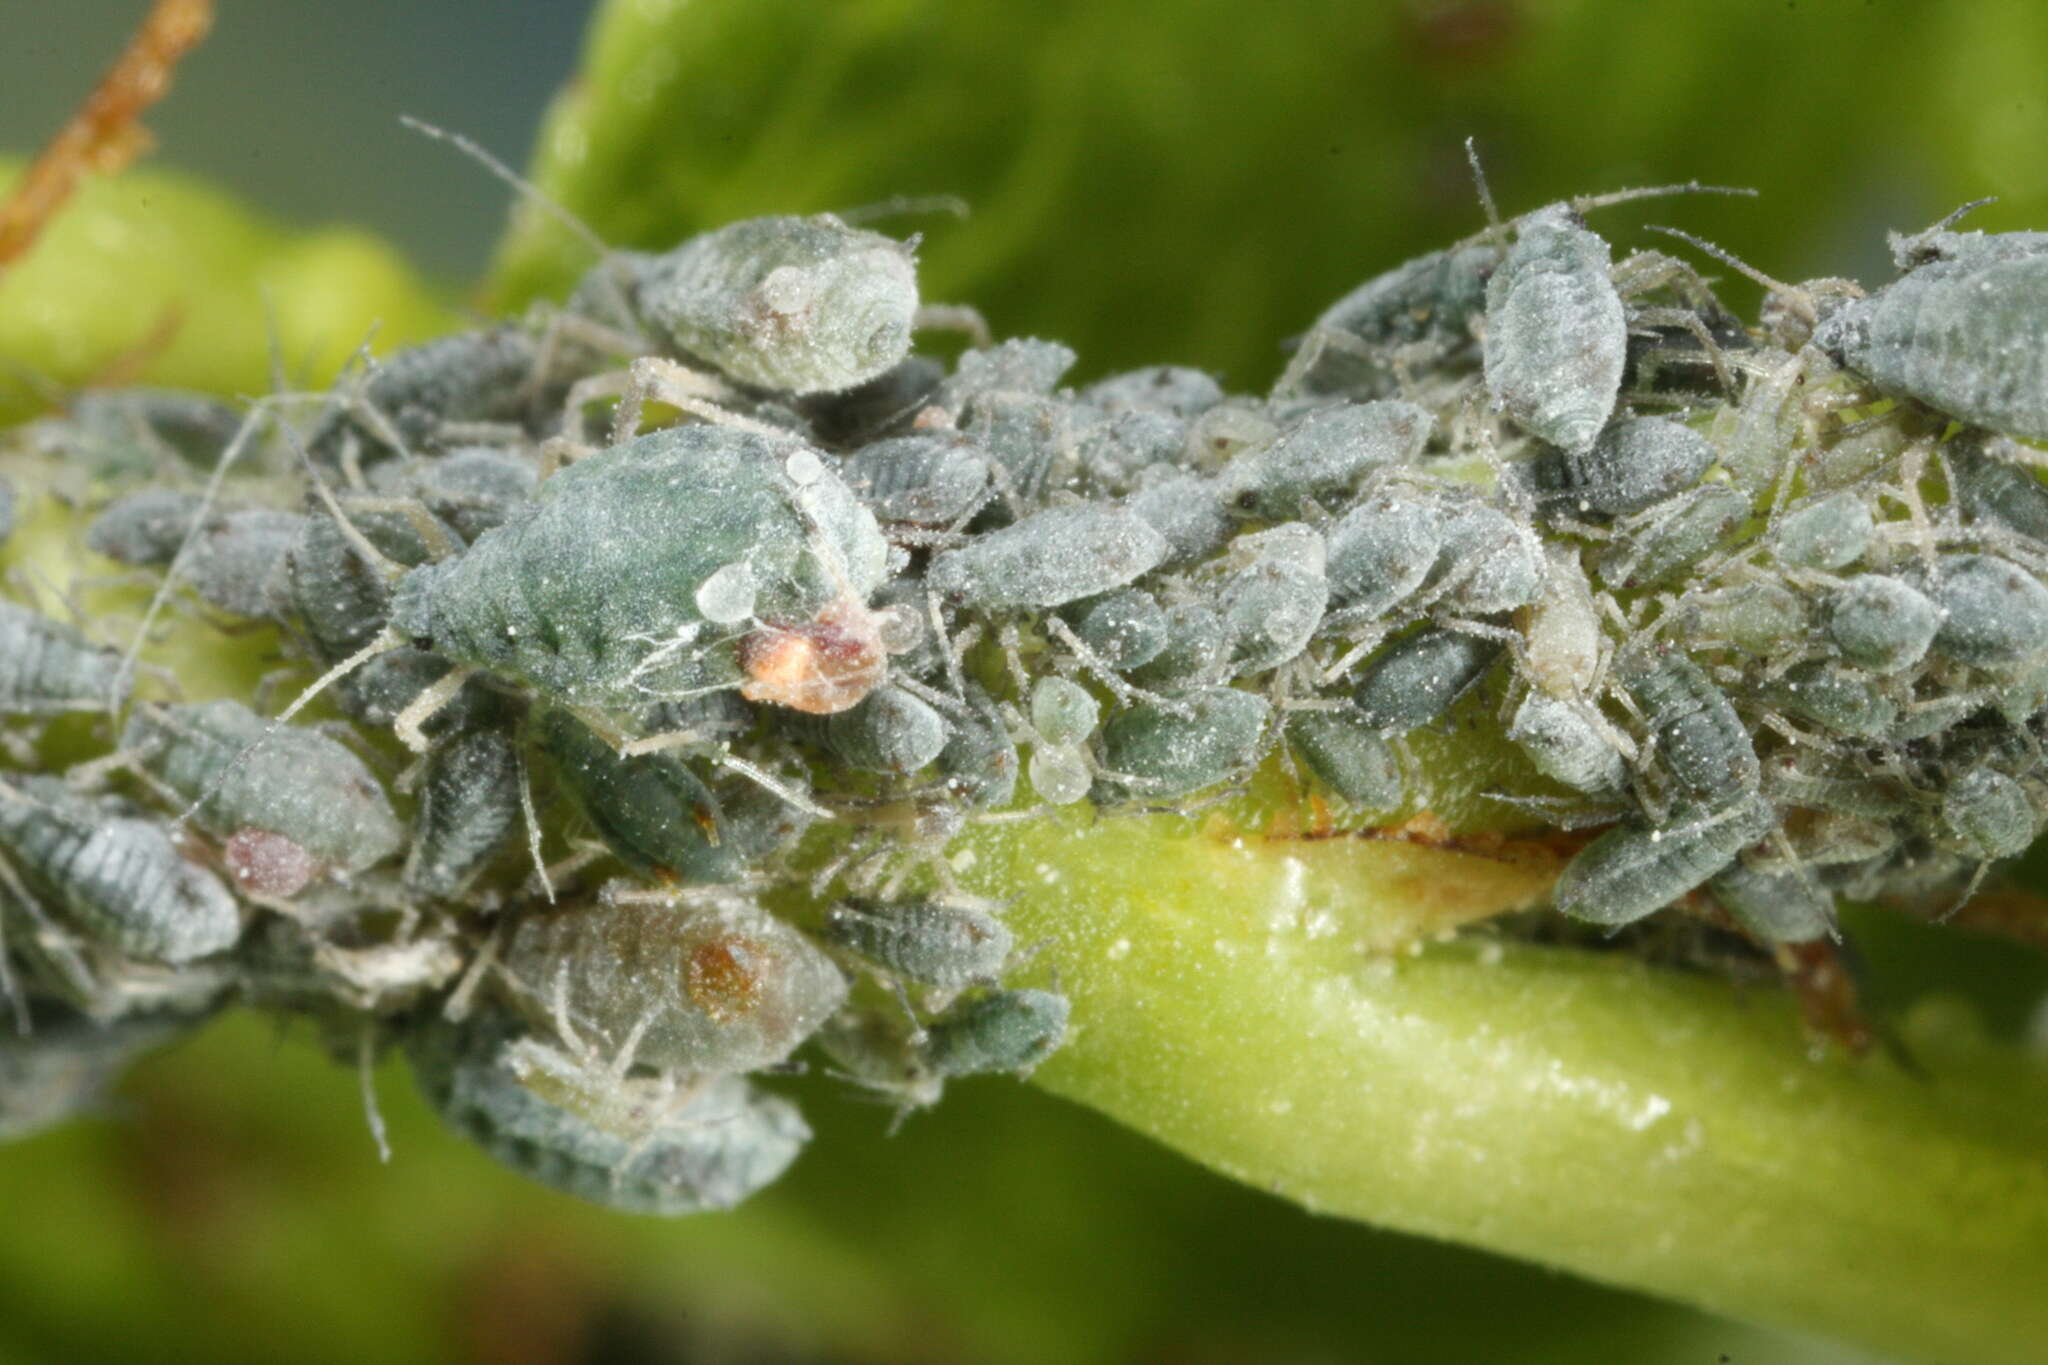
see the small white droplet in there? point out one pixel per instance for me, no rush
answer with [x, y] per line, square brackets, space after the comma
[727, 597]
[1058, 774]
[804, 467]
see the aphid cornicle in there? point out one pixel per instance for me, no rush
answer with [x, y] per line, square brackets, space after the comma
[115, 874]
[802, 305]
[298, 783]
[718, 985]
[1556, 334]
[593, 594]
[47, 668]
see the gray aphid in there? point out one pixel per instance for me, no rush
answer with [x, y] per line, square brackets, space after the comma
[979, 761]
[1051, 557]
[1674, 535]
[1556, 334]
[1986, 815]
[472, 488]
[1350, 757]
[233, 557]
[1488, 561]
[1187, 511]
[1422, 310]
[803, 305]
[890, 731]
[1196, 645]
[1777, 907]
[1382, 550]
[1992, 488]
[1017, 366]
[589, 595]
[1416, 679]
[144, 528]
[298, 783]
[1566, 746]
[1846, 701]
[1758, 618]
[1828, 533]
[1993, 611]
[651, 810]
[1968, 336]
[1001, 1031]
[1126, 628]
[484, 375]
[341, 597]
[1631, 871]
[47, 668]
[467, 811]
[124, 433]
[925, 479]
[1634, 464]
[1324, 455]
[1171, 389]
[115, 874]
[1155, 751]
[1111, 454]
[881, 1053]
[726, 1142]
[1881, 623]
[1699, 739]
[711, 987]
[1272, 604]
[930, 943]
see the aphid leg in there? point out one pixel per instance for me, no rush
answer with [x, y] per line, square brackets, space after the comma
[440, 545]
[526, 815]
[17, 1002]
[434, 696]
[667, 381]
[1126, 693]
[953, 317]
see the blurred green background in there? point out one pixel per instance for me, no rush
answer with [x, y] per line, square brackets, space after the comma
[1152, 180]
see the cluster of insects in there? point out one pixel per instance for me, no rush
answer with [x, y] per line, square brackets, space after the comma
[670, 638]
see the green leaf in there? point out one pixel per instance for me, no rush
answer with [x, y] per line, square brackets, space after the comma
[161, 279]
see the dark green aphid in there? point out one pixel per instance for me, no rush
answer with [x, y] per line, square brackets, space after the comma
[890, 731]
[1350, 758]
[979, 762]
[47, 668]
[115, 874]
[1161, 753]
[1674, 535]
[800, 305]
[1323, 455]
[596, 592]
[651, 810]
[341, 597]
[1830, 532]
[1556, 335]
[708, 988]
[1001, 1031]
[1633, 465]
[1777, 907]
[1421, 310]
[927, 479]
[883, 406]
[1700, 741]
[380, 691]
[1881, 624]
[472, 488]
[1059, 555]
[1993, 611]
[467, 811]
[1992, 488]
[655, 1152]
[930, 943]
[1986, 815]
[478, 376]
[1196, 646]
[1632, 871]
[301, 784]
[1126, 628]
[1416, 679]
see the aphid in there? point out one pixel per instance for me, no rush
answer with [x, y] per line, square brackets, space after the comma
[1965, 334]
[61, 1065]
[801, 305]
[1556, 335]
[472, 488]
[878, 1051]
[1000, 1031]
[1171, 389]
[1063, 711]
[1991, 487]
[1059, 555]
[704, 987]
[1986, 815]
[1633, 465]
[406, 398]
[1992, 611]
[1187, 511]
[979, 762]
[1777, 907]
[1880, 623]
[1420, 311]
[1207, 735]
[47, 668]
[1566, 746]
[1059, 773]
[651, 810]
[1196, 645]
[1631, 870]
[591, 594]
[1019, 366]
[1322, 455]
[1416, 679]
[381, 690]
[1827, 533]
[630, 1145]
[115, 874]
[1125, 629]
[929, 943]
[340, 596]
[119, 434]
[1110, 455]
[1349, 757]
[890, 731]
[883, 406]
[1273, 597]
[467, 811]
[1488, 562]
[300, 784]
[1760, 617]
[232, 557]
[1672, 536]
[925, 479]
[1381, 551]
[1699, 739]
[1562, 643]
[1843, 700]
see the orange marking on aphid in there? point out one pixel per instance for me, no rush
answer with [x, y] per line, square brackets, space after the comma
[723, 978]
[106, 133]
[823, 666]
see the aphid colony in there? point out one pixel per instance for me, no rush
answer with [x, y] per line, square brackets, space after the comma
[653, 745]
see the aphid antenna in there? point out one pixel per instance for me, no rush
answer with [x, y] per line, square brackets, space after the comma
[258, 410]
[1956, 215]
[360, 543]
[525, 188]
[906, 205]
[366, 1080]
[1802, 297]
[1494, 227]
